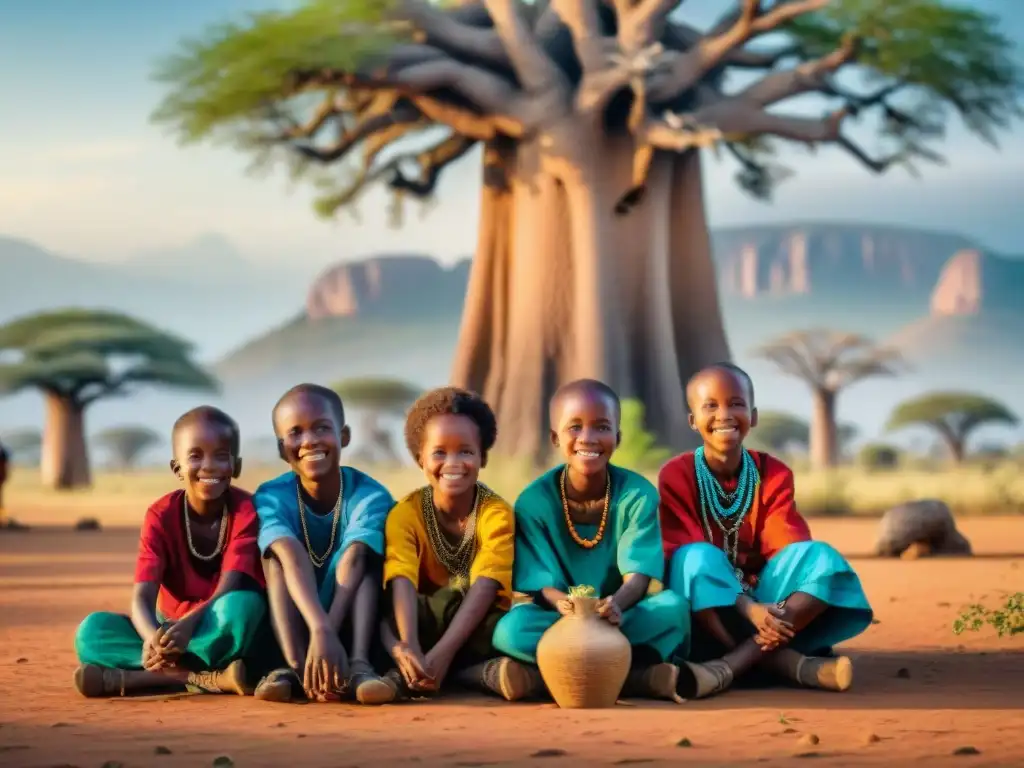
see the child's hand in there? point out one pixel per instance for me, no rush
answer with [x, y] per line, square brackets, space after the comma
[326, 665]
[565, 607]
[154, 657]
[176, 637]
[609, 610]
[414, 667]
[772, 629]
[437, 668]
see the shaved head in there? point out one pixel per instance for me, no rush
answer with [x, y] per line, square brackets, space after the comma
[584, 387]
[728, 368]
[332, 398]
[209, 415]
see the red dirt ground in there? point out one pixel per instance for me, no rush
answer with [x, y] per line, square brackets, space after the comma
[921, 693]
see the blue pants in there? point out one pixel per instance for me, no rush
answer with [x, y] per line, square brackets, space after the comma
[660, 622]
[703, 575]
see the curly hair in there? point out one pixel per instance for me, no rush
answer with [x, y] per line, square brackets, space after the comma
[449, 400]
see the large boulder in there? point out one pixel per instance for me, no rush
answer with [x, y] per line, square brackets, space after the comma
[920, 528]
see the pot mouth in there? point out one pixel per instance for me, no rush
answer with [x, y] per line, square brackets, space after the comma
[584, 606]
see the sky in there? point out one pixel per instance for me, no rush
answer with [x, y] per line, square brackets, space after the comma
[84, 173]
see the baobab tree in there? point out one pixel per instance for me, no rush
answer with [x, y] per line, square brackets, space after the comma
[75, 357]
[593, 256]
[828, 362]
[953, 416]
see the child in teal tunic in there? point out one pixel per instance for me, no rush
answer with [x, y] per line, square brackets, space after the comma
[589, 523]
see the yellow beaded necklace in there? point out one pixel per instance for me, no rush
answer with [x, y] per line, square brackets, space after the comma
[586, 543]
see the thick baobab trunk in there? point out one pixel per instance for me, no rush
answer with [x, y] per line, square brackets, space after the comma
[823, 428]
[562, 288]
[953, 440]
[65, 459]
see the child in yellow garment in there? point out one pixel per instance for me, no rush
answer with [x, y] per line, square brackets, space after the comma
[448, 556]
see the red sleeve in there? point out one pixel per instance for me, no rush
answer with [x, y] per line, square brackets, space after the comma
[152, 559]
[679, 508]
[242, 553]
[782, 522]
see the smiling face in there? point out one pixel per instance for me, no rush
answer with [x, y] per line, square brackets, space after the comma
[451, 457]
[309, 436]
[204, 460]
[721, 409]
[585, 430]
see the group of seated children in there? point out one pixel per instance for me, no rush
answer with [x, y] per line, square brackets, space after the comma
[320, 587]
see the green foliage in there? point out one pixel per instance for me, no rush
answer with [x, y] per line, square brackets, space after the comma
[388, 395]
[127, 443]
[952, 55]
[878, 456]
[638, 450]
[231, 76]
[1006, 620]
[85, 355]
[953, 415]
[777, 430]
[582, 590]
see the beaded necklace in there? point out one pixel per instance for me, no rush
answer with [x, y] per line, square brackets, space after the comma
[319, 560]
[726, 510]
[586, 543]
[222, 532]
[456, 558]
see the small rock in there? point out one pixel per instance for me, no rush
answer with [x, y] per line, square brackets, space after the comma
[964, 751]
[903, 673]
[301, 736]
[943, 605]
[223, 761]
[808, 740]
[872, 738]
[88, 524]
[790, 730]
[876, 621]
[162, 750]
[60, 725]
[21, 660]
[684, 742]
[549, 753]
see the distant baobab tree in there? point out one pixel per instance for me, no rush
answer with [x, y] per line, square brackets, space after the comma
[828, 362]
[593, 255]
[76, 357]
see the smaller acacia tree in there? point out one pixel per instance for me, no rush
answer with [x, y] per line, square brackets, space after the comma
[778, 430]
[127, 443]
[375, 399]
[828, 362]
[78, 356]
[953, 415]
[23, 445]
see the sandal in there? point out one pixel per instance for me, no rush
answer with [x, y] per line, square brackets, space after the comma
[368, 687]
[280, 686]
[96, 682]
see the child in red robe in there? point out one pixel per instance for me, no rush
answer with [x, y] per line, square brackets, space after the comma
[761, 591]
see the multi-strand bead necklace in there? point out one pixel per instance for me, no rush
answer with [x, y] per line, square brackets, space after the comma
[726, 510]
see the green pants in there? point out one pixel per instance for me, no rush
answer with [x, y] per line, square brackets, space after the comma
[224, 634]
[659, 622]
[435, 615]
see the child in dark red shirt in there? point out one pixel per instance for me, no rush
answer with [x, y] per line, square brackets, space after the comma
[198, 601]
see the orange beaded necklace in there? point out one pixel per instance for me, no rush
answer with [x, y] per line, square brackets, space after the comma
[586, 543]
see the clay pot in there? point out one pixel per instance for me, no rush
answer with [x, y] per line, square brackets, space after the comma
[583, 659]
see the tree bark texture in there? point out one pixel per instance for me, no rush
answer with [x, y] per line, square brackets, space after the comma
[823, 428]
[563, 288]
[65, 459]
